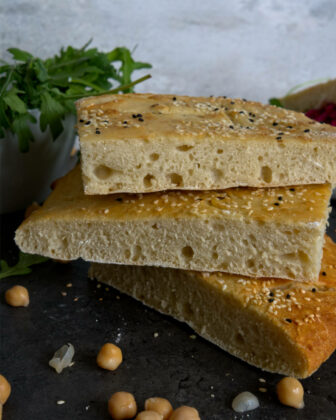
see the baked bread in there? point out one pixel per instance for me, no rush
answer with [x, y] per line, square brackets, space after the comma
[274, 232]
[312, 97]
[143, 142]
[277, 325]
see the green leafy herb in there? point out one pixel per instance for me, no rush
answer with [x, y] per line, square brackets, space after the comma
[276, 102]
[52, 85]
[22, 266]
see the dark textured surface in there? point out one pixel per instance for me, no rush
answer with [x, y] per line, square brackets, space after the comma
[173, 365]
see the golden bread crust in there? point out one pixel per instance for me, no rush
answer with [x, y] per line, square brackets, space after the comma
[299, 318]
[143, 143]
[274, 232]
[197, 117]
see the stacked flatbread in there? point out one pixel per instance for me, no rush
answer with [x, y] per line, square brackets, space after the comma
[211, 210]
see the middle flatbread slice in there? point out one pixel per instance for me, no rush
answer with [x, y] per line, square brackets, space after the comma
[275, 232]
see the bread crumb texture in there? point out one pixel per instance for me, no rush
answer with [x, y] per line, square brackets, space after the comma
[145, 142]
[274, 232]
[278, 325]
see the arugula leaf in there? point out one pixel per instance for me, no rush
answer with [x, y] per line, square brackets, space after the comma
[53, 84]
[276, 102]
[22, 266]
[20, 55]
[14, 102]
[52, 113]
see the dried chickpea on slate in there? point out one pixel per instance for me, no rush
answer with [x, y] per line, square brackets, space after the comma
[252, 230]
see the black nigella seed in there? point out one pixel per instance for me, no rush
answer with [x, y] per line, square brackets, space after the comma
[306, 130]
[292, 189]
[174, 98]
[231, 126]
[271, 300]
[276, 204]
[125, 122]
[140, 119]
[232, 102]
[313, 290]
[119, 199]
[88, 123]
[244, 100]
[278, 138]
[271, 293]
[324, 273]
[134, 116]
[280, 134]
[288, 320]
[250, 114]
[97, 132]
[289, 126]
[247, 128]
[241, 112]
[250, 119]
[275, 124]
[224, 97]
[139, 115]
[279, 198]
[216, 109]
[288, 296]
[81, 120]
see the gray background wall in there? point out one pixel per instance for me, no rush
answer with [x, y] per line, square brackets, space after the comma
[250, 48]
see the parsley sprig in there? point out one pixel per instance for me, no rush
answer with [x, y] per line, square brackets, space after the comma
[22, 266]
[52, 85]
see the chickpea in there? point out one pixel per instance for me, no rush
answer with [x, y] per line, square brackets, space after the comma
[5, 390]
[17, 296]
[122, 405]
[160, 405]
[185, 413]
[290, 392]
[148, 415]
[109, 357]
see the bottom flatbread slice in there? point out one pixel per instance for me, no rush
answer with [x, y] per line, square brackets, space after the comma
[277, 325]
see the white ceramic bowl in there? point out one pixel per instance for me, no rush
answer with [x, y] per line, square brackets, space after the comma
[26, 177]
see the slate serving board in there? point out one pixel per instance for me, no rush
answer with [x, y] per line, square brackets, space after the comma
[161, 358]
